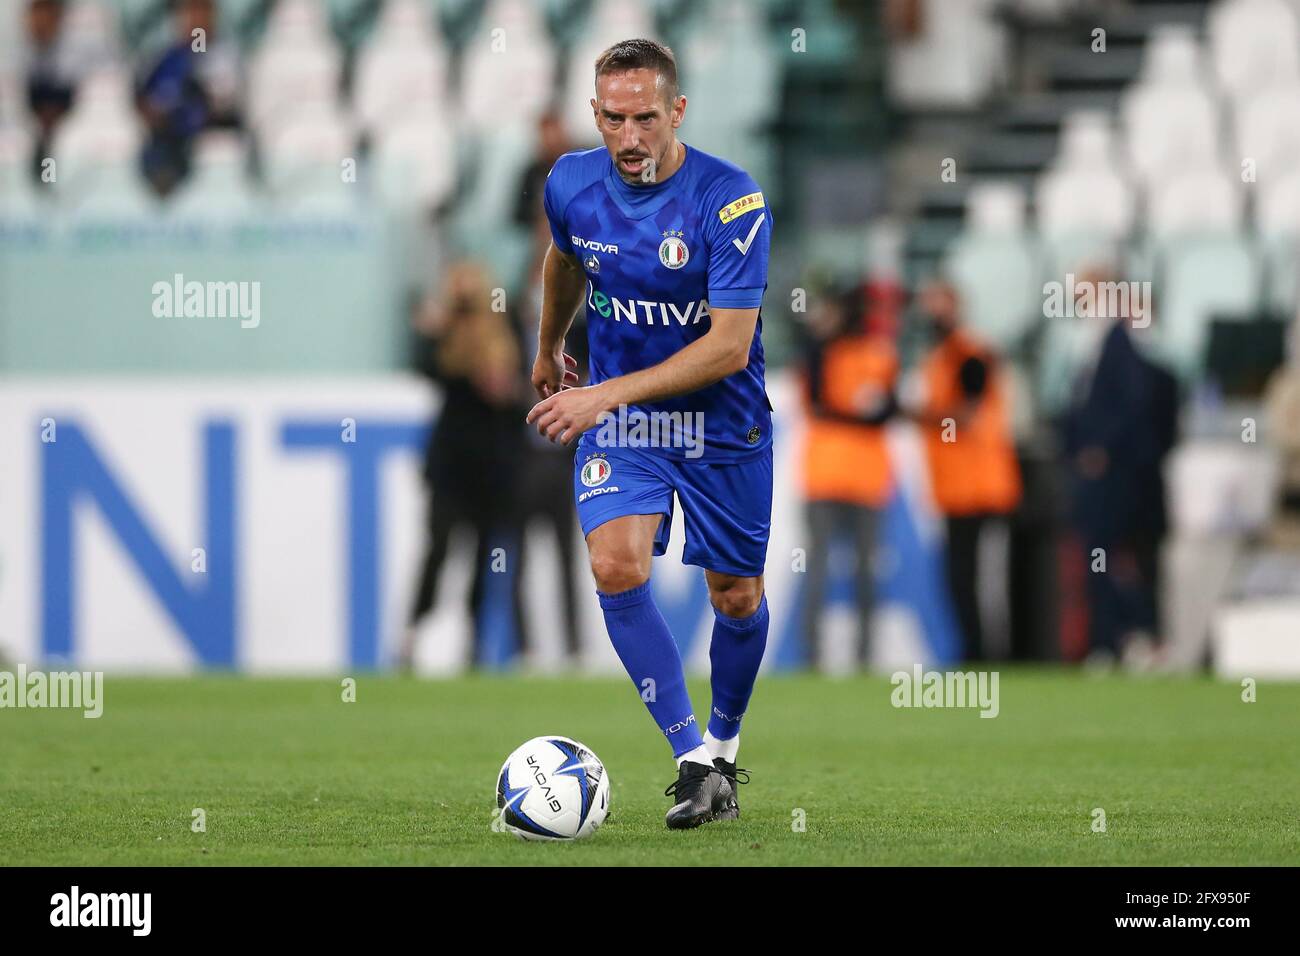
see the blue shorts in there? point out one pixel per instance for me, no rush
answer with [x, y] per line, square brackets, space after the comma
[727, 507]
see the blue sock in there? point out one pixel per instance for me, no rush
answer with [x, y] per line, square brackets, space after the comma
[735, 654]
[649, 654]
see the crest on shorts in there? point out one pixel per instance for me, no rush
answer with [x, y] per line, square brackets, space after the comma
[596, 471]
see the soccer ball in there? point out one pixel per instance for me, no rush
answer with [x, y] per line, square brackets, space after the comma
[552, 788]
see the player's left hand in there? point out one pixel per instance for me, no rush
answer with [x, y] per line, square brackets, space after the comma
[566, 415]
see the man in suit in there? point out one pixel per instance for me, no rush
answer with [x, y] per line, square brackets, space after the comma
[1116, 437]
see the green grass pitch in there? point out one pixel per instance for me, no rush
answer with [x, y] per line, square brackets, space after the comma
[288, 773]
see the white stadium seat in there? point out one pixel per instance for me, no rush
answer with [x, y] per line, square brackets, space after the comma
[218, 187]
[1277, 216]
[304, 157]
[1172, 55]
[284, 79]
[413, 163]
[1084, 189]
[1201, 277]
[1170, 119]
[1268, 131]
[957, 60]
[995, 265]
[407, 19]
[1195, 200]
[1166, 127]
[1278, 211]
[115, 191]
[297, 22]
[508, 69]
[403, 67]
[1253, 44]
[101, 129]
[91, 32]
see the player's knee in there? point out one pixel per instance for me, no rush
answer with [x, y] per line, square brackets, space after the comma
[739, 599]
[615, 572]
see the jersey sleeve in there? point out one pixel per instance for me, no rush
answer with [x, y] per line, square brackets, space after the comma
[554, 202]
[740, 234]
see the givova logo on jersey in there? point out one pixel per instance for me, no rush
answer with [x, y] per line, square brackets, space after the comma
[645, 311]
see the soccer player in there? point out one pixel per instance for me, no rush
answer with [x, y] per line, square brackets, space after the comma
[668, 247]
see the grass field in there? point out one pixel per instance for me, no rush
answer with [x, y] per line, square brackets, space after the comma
[287, 773]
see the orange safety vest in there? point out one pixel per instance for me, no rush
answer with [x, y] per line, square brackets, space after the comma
[975, 472]
[844, 461]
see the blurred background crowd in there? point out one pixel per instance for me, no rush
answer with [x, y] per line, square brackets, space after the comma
[1114, 485]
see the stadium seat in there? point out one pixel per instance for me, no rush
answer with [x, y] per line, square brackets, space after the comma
[995, 266]
[92, 30]
[956, 61]
[304, 158]
[408, 19]
[1193, 200]
[112, 190]
[1168, 126]
[285, 78]
[101, 129]
[1253, 44]
[218, 187]
[1169, 117]
[995, 208]
[413, 163]
[296, 22]
[403, 67]
[1278, 211]
[609, 22]
[1281, 263]
[1084, 190]
[1268, 130]
[1172, 54]
[1277, 217]
[483, 224]
[507, 76]
[1202, 276]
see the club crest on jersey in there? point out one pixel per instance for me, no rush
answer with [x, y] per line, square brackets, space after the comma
[591, 263]
[596, 471]
[672, 251]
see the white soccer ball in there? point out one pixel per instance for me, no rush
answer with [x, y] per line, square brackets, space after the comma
[552, 788]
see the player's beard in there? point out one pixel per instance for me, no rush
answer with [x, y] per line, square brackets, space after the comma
[639, 177]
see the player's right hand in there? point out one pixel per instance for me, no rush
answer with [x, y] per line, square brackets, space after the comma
[551, 373]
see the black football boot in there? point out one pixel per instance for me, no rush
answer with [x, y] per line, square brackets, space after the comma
[729, 770]
[702, 794]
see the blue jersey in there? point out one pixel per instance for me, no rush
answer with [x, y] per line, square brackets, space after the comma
[657, 256]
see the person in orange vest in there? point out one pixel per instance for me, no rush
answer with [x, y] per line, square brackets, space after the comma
[849, 373]
[965, 421]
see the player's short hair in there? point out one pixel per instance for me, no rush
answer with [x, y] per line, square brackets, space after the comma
[641, 54]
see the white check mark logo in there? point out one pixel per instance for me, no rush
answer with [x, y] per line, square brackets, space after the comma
[749, 240]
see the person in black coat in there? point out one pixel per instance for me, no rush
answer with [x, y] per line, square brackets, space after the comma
[1116, 438]
[472, 461]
